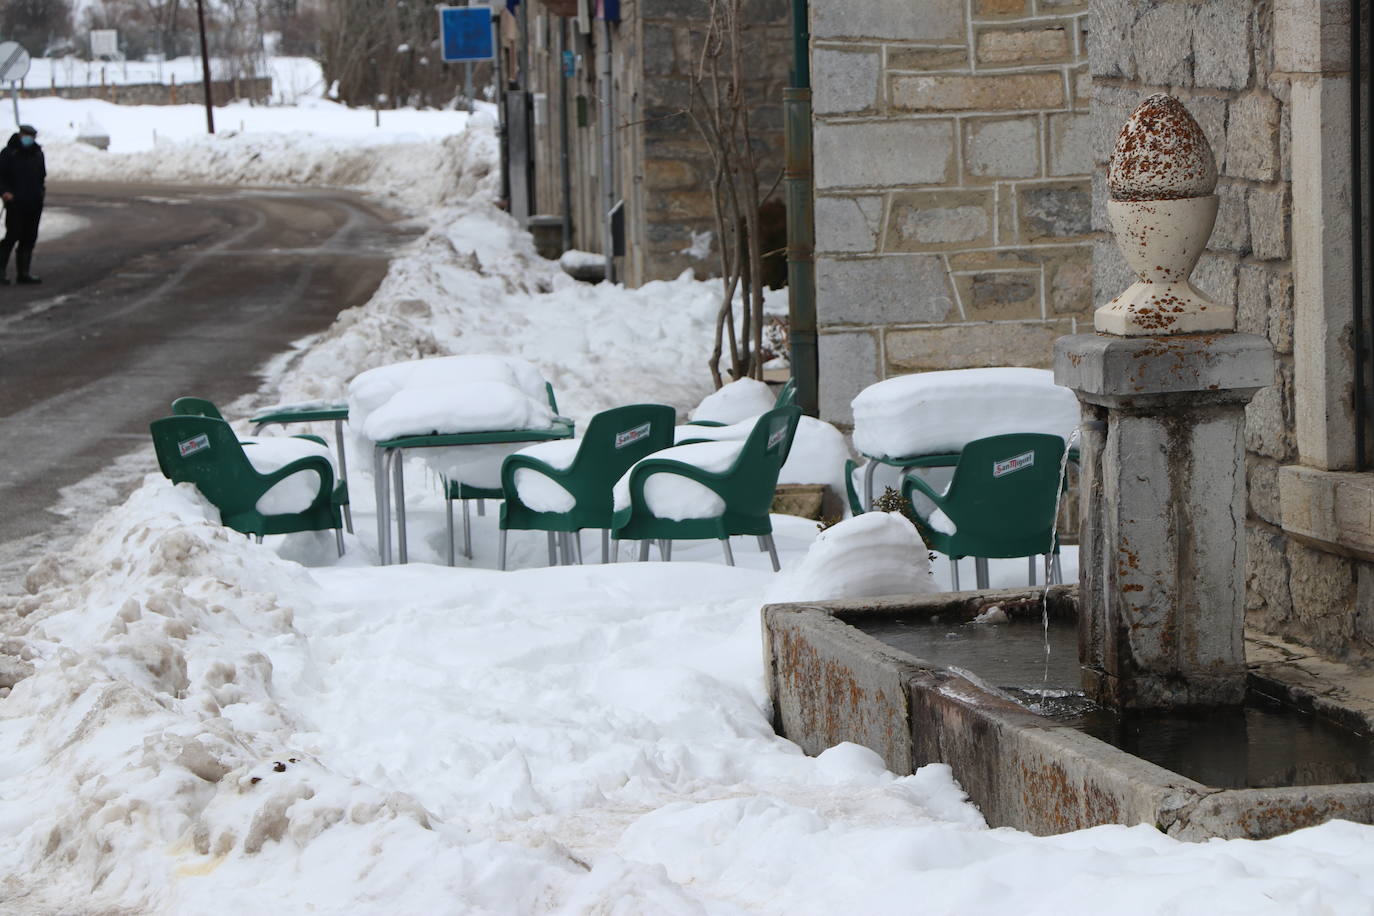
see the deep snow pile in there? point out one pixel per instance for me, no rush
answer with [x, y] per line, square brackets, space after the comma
[209, 728]
[421, 160]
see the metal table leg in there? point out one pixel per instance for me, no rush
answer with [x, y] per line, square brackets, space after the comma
[980, 571]
[398, 483]
[868, 484]
[343, 471]
[381, 493]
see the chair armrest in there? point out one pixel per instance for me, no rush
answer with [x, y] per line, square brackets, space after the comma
[311, 437]
[704, 423]
[648, 467]
[911, 482]
[518, 462]
[317, 463]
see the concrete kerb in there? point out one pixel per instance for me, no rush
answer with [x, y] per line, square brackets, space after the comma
[830, 682]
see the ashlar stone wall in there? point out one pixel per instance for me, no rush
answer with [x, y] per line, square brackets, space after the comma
[669, 180]
[953, 199]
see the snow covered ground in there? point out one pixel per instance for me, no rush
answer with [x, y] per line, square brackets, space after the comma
[199, 724]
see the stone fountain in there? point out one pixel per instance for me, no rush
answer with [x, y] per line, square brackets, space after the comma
[1172, 730]
[1163, 384]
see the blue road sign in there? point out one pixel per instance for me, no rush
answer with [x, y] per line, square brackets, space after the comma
[466, 33]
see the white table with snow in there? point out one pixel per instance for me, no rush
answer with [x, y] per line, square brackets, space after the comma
[466, 412]
[926, 419]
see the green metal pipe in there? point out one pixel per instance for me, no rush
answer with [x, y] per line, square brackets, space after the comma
[801, 225]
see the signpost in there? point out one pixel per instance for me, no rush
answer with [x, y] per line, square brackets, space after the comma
[467, 34]
[105, 43]
[14, 66]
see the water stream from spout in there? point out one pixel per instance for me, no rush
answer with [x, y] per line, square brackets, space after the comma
[1054, 541]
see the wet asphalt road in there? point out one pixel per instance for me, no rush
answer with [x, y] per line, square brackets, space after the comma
[158, 292]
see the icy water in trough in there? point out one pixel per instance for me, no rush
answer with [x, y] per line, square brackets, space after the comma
[1263, 744]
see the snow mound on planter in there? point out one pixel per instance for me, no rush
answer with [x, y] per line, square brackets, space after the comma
[877, 553]
[739, 400]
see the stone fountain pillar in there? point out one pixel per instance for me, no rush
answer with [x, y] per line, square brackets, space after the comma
[1163, 386]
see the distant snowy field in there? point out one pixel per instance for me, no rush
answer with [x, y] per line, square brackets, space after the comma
[203, 725]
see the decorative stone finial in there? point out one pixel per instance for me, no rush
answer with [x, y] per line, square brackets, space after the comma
[1162, 209]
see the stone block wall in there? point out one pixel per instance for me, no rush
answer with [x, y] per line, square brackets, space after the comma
[255, 89]
[670, 216]
[953, 149]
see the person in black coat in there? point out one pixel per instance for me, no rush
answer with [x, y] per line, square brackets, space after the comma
[23, 175]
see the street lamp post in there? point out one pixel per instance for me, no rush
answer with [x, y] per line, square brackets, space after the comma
[205, 67]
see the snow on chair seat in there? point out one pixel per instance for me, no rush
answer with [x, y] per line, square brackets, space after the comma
[269, 454]
[734, 478]
[563, 487]
[675, 497]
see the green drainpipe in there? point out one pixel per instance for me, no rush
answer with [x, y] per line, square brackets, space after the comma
[801, 226]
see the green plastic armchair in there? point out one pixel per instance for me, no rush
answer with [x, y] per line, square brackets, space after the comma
[746, 488]
[615, 439]
[204, 451]
[1001, 502]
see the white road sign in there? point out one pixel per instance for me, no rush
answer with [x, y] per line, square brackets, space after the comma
[104, 43]
[14, 62]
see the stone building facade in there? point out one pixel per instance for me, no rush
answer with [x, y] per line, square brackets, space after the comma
[961, 151]
[952, 186]
[662, 168]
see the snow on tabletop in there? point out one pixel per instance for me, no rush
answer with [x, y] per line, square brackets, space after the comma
[877, 553]
[538, 491]
[671, 496]
[272, 453]
[466, 408]
[738, 400]
[371, 389]
[941, 412]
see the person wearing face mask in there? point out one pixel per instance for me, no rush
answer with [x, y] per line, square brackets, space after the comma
[23, 174]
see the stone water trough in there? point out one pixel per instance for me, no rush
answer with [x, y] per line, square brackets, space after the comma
[830, 681]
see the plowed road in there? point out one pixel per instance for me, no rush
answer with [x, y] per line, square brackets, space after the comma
[150, 293]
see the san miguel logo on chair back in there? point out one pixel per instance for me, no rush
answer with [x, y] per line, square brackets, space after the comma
[777, 434]
[1012, 465]
[189, 447]
[631, 436]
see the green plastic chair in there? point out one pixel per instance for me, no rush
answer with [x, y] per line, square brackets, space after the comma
[615, 439]
[787, 396]
[204, 451]
[457, 490]
[747, 489]
[1002, 500]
